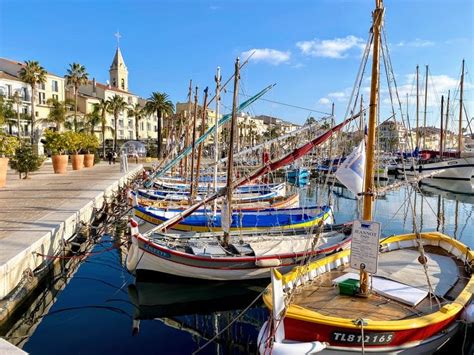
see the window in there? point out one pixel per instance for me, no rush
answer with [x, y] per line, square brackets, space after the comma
[25, 109]
[113, 121]
[36, 114]
[130, 124]
[148, 126]
[121, 133]
[41, 98]
[142, 126]
[121, 123]
[42, 86]
[130, 134]
[55, 97]
[156, 128]
[9, 90]
[25, 94]
[114, 82]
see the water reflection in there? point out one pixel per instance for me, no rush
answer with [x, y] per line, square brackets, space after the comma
[97, 307]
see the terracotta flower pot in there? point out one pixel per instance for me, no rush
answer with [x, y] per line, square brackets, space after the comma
[60, 164]
[77, 161]
[88, 160]
[3, 171]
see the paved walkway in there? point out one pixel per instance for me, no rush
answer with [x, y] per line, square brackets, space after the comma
[35, 213]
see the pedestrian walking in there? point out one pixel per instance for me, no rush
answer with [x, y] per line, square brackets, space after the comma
[109, 156]
[114, 156]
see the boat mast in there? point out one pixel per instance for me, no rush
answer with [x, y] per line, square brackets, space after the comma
[203, 130]
[191, 192]
[369, 163]
[216, 130]
[426, 105]
[230, 161]
[417, 140]
[186, 123]
[446, 123]
[461, 93]
[441, 129]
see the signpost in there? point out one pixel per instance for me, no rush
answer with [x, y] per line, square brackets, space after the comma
[365, 246]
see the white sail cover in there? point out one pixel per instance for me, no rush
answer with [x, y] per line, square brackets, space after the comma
[351, 171]
[226, 217]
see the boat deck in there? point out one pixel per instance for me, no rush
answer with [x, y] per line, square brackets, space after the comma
[322, 296]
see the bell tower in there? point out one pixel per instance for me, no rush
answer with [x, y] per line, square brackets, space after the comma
[118, 72]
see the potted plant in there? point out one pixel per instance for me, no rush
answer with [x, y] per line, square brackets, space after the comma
[90, 145]
[25, 160]
[75, 143]
[57, 143]
[8, 145]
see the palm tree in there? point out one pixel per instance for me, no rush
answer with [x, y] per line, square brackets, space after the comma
[58, 112]
[116, 106]
[32, 73]
[92, 119]
[137, 112]
[76, 76]
[161, 104]
[103, 107]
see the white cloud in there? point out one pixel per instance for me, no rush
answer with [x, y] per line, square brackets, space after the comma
[324, 101]
[338, 95]
[272, 56]
[331, 48]
[416, 43]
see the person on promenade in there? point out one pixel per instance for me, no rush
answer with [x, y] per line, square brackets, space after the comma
[114, 156]
[109, 156]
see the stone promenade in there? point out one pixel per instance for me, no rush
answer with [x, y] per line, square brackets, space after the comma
[36, 214]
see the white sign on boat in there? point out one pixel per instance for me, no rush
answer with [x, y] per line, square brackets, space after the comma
[365, 245]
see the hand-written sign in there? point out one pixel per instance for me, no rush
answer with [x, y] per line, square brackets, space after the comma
[365, 245]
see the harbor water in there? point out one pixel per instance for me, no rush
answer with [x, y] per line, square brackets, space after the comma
[102, 309]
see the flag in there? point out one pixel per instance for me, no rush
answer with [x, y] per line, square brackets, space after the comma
[351, 171]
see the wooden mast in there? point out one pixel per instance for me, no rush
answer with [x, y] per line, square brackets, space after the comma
[369, 163]
[441, 129]
[426, 106]
[186, 124]
[446, 123]
[461, 93]
[230, 160]
[203, 130]
[417, 133]
[191, 192]
[216, 130]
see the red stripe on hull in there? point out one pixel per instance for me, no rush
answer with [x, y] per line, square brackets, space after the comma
[298, 330]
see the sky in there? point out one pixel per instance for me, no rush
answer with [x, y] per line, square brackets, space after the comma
[311, 49]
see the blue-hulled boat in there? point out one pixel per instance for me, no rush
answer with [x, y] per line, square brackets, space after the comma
[204, 220]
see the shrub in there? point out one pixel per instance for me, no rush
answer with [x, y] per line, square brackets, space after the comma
[74, 141]
[90, 142]
[57, 143]
[8, 145]
[25, 161]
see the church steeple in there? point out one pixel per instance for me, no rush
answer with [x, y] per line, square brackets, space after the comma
[118, 72]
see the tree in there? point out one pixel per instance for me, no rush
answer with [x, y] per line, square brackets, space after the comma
[161, 104]
[76, 76]
[33, 74]
[137, 112]
[25, 161]
[116, 106]
[6, 113]
[310, 121]
[92, 119]
[58, 112]
[103, 107]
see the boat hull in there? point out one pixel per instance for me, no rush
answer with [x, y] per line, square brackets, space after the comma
[454, 169]
[144, 254]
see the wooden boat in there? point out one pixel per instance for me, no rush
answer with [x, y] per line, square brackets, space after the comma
[276, 202]
[298, 177]
[452, 169]
[204, 220]
[420, 285]
[321, 318]
[251, 257]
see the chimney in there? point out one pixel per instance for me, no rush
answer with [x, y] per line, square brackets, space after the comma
[94, 87]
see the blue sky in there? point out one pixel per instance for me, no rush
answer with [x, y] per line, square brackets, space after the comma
[311, 49]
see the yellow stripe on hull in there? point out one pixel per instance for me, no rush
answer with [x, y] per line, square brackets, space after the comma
[188, 228]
